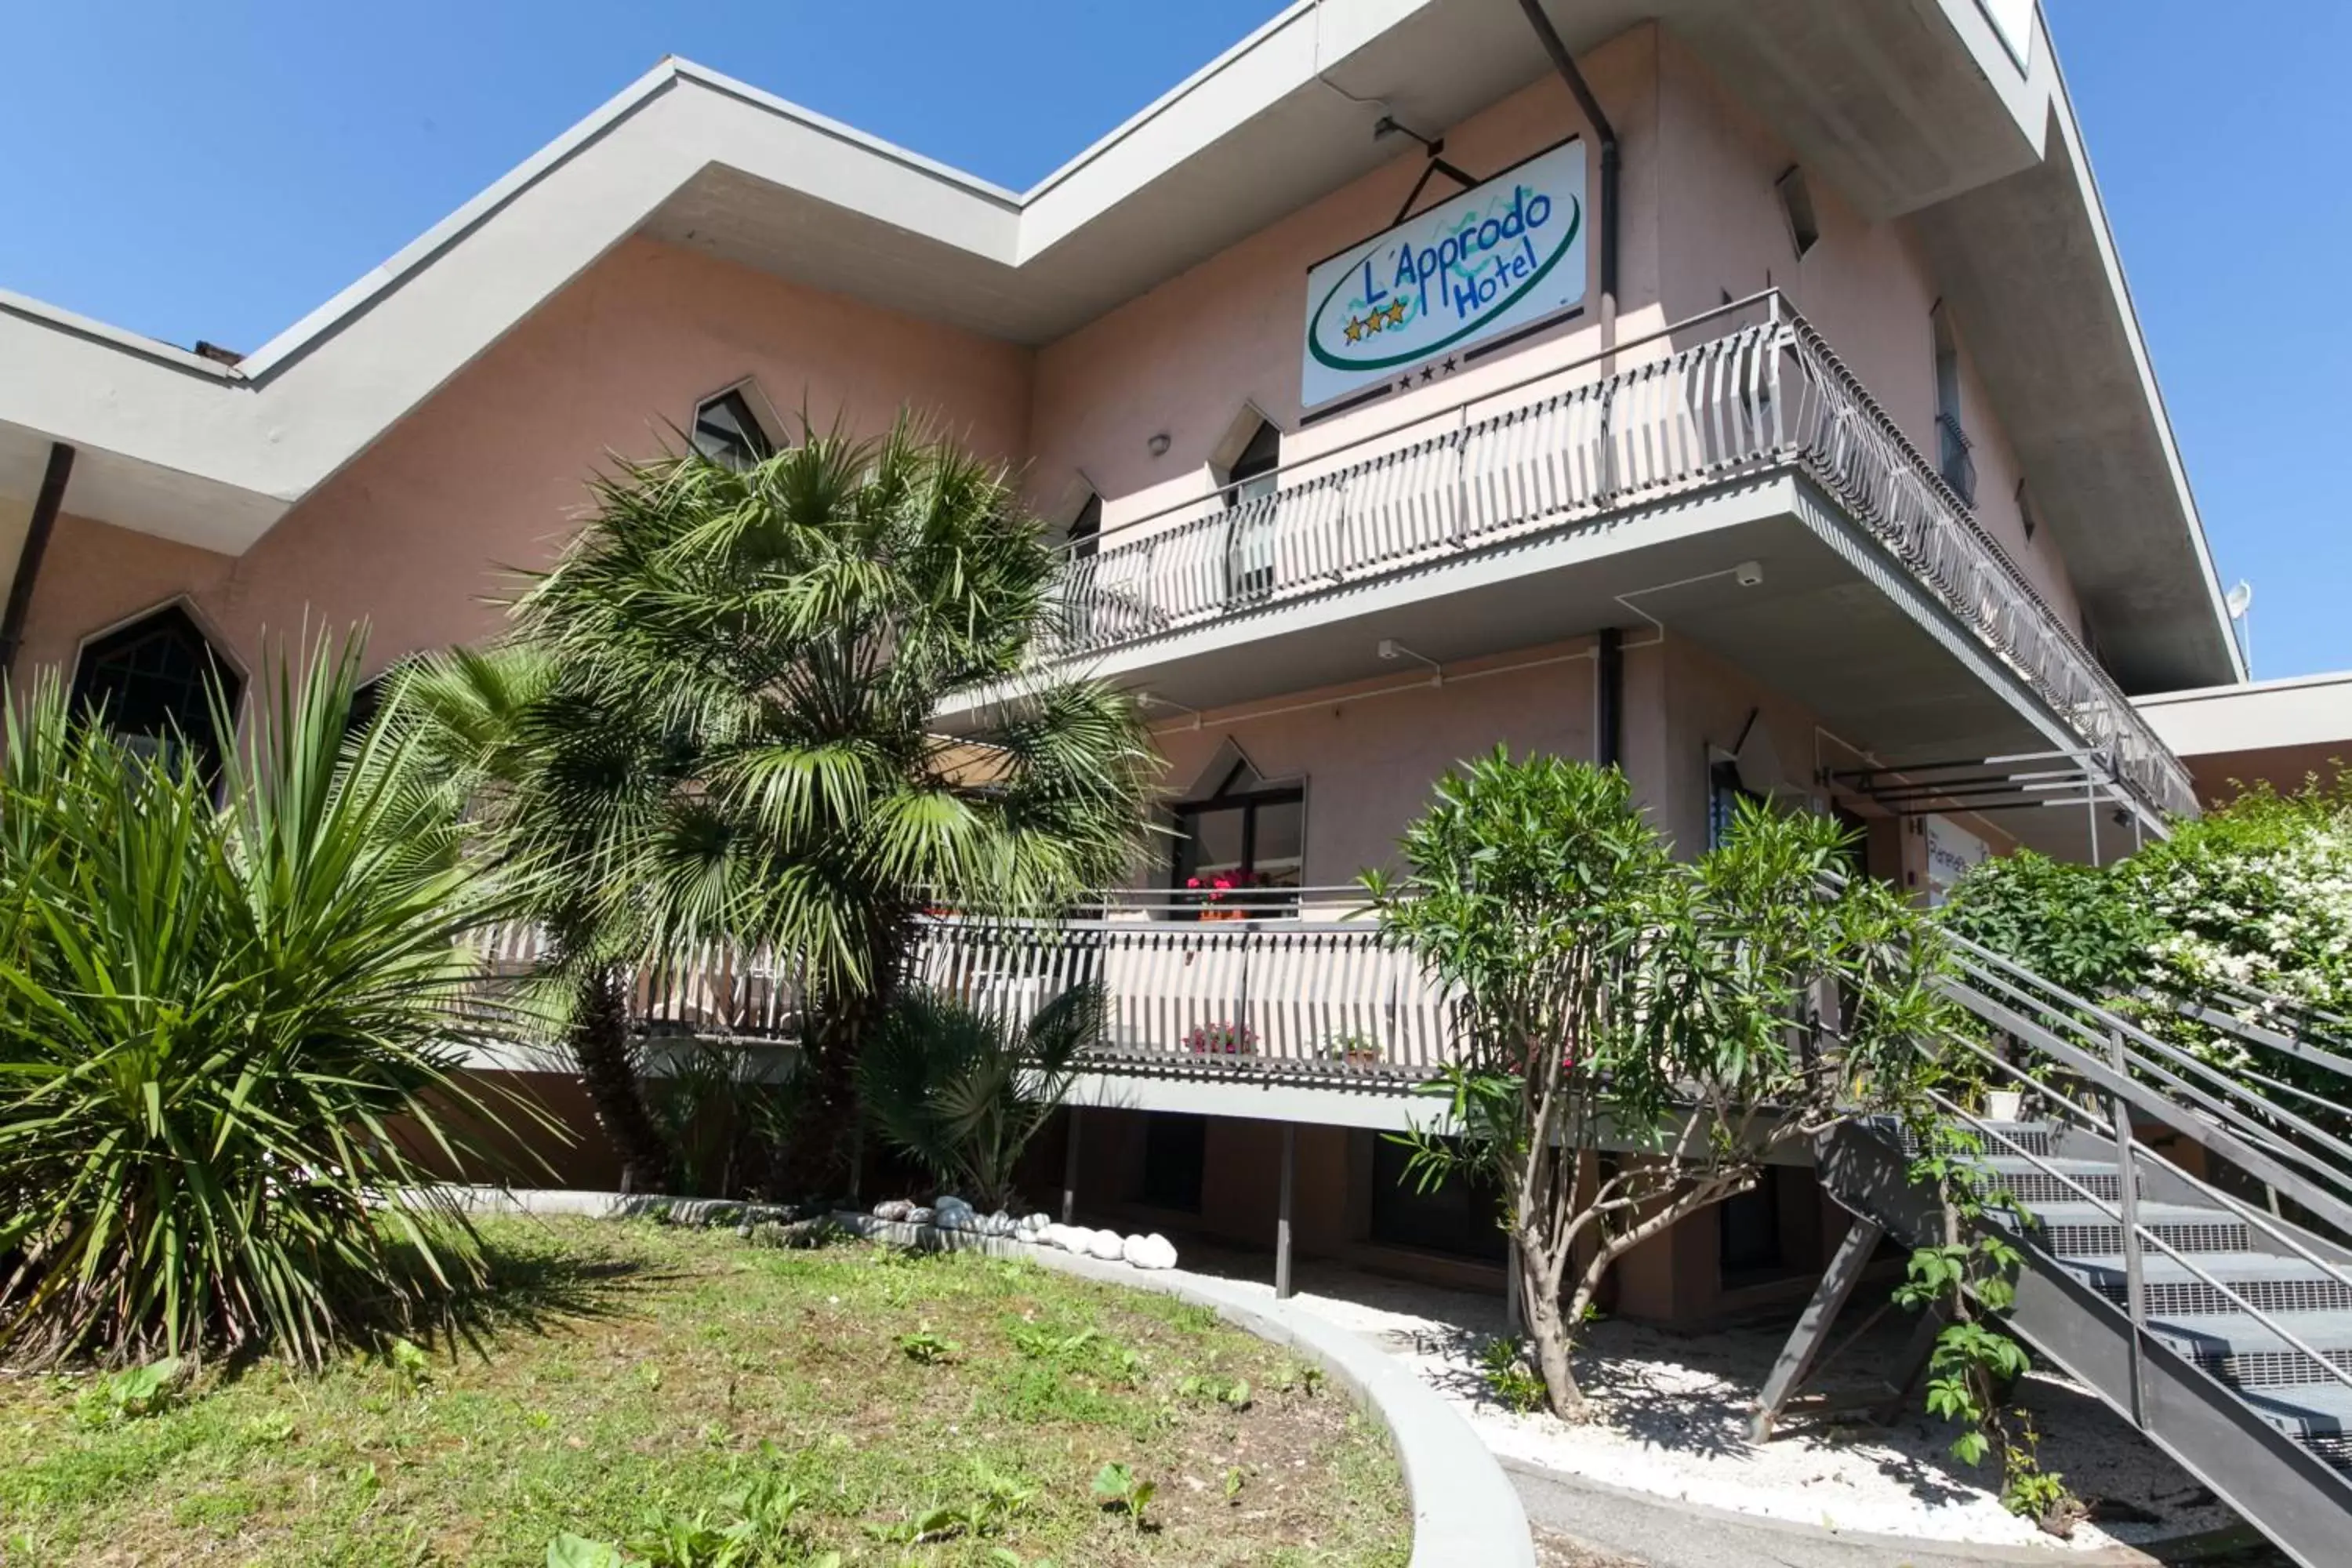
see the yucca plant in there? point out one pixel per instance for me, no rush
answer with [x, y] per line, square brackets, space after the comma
[962, 1090]
[231, 1013]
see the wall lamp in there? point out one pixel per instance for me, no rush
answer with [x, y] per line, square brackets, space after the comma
[1158, 444]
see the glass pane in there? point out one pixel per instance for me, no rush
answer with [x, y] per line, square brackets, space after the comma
[1216, 843]
[1281, 844]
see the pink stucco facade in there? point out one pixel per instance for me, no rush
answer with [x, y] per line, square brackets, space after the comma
[419, 534]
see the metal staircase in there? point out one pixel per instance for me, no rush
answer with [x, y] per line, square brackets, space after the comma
[2183, 1246]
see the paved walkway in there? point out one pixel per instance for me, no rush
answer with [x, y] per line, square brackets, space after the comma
[1658, 1532]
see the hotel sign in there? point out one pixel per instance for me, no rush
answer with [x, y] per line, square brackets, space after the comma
[1499, 255]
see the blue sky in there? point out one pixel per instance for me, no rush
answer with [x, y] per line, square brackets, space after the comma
[215, 170]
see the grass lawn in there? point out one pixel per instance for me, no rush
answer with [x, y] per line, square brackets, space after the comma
[647, 1386]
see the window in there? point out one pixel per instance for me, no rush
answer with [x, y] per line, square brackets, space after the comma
[726, 431]
[1080, 587]
[1459, 1215]
[1175, 1158]
[1724, 793]
[1953, 461]
[1250, 491]
[1750, 1229]
[1085, 528]
[1240, 849]
[153, 682]
[1797, 206]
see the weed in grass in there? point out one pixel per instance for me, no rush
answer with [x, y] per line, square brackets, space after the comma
[411, 1369]
[129, 1394]
[1120, 1489]
[1234, 1394]
[925, 1348]
[268, 1427]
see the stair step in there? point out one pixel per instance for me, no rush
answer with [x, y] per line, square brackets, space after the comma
[2245, 1352]
[2318, 1416]
[2031, 1137]
[2084, 1229]
[2268, 1283]
[2037, 1188]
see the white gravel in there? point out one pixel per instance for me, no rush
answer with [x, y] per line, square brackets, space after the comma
[1670, 1412]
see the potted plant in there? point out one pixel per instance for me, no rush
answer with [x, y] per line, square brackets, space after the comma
[1355, 1050]
[1213, 894]
[1223, 1038]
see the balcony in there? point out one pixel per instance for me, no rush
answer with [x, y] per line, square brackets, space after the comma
[1305, 995]
[1713, 406]
[1309, 996]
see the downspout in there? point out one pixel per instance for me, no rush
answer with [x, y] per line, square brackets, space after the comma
[46, 507]
[1608, 716]
[1606, 134]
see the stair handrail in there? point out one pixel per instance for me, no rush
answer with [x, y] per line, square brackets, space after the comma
[2222, 1109]
[2079, 1014]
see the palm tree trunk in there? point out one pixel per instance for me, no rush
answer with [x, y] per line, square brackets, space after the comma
[608, 1069]
[824, 1142]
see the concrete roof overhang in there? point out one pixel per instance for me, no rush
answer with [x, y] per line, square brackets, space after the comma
[1925, 107]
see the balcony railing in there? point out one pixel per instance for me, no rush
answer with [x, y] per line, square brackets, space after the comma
[1309, 999]
[1305, 993]
[1510, 466]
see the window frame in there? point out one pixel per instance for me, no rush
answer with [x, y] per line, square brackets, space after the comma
[759, 442]
[1254, 902]
[232, 679]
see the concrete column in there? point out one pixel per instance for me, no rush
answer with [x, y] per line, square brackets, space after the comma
[1282, 1212]
[1070, 1168]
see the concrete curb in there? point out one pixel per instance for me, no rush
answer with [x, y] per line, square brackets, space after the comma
[1898, 1547]
[1465, 1512]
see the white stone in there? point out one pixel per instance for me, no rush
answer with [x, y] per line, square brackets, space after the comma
[916, 1216]
[894, 1209]
[1106, 1245]
[1153, 1251]
[951, 1213]
[1035, 1225]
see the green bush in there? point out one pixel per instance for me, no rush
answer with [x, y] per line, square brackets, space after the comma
[962, 1091]
[230, 1011]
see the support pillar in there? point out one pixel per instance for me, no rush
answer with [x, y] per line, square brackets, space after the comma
[1813, 1330]
[1917, 1351]
[46, 507]
[1282, 1212]
[1070, 1168]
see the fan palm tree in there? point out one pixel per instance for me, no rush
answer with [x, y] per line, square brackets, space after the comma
[716, 714]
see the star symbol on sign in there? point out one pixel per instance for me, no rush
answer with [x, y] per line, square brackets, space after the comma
[1355, 330]
[1426, 373]
[1449, 364]
[1396, 315]
[1376, 320]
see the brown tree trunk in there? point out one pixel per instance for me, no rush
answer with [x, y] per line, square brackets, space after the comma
[1548, 1327]
[608, 1069]
[823, 1138]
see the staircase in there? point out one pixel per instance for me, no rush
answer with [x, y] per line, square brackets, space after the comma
[2219, 1328]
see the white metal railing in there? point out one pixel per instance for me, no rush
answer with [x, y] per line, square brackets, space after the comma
[1765, 397]
[719, 992]
[1312, 998]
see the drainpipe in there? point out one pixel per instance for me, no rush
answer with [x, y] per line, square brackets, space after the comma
[46, 507]
[1606, 134]
[1610, 720]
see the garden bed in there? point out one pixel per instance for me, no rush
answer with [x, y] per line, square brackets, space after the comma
[634, 1381]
